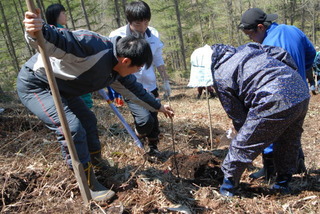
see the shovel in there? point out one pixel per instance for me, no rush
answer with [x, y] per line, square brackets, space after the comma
[77, 166]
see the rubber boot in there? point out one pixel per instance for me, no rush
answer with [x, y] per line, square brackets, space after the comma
[98, 162]
[228, 187]
[268, 168]
[282, 184]
[98, 191]
[301, 168]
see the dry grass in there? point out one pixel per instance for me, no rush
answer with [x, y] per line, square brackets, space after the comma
[34, 179]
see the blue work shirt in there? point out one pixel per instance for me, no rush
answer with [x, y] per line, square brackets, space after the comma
[295, 42]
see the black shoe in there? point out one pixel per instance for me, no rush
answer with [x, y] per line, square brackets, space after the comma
[153, 155]
[153, 151]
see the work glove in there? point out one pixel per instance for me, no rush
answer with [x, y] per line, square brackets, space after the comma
[166, 88]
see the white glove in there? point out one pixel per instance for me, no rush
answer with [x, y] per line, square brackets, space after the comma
[166, 88]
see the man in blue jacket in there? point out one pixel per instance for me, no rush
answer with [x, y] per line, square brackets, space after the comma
[259, 27]
[267, 101]
[82, 62]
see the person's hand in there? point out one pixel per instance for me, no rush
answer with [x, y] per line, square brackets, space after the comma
[166, 88]
[33, 22]
[166, 110]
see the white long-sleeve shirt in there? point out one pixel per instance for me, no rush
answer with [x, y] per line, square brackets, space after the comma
[146, 77]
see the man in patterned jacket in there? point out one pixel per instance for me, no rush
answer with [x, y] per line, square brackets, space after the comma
[267, 101]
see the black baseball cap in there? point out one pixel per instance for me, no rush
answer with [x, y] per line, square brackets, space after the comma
[254, 16]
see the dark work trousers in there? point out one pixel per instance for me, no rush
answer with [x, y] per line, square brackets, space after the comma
[283, 129]
[36, 96]
[309, 74]
[146, 122]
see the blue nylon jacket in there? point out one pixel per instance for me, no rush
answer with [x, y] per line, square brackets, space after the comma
[255, 81]
[82, 62]
[295, 42]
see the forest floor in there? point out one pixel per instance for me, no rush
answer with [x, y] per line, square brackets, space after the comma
[35, 179]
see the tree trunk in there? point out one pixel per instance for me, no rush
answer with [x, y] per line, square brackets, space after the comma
[303, 13]
[41, 6]
[200, 22]
[70, 15]
[176, 5]
[116, 6]
[240, 34]
[33, 51]
[177, 59]
[1, 91]
[9, 39]
[284, 7]
[293, 4]
[124, 2]
[212, 26]
[231, 21]
[22, 28]
[314, 24]
[85, 14]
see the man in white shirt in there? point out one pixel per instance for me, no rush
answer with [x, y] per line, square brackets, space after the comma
[138, 15]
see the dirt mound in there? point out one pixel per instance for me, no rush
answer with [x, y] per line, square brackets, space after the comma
[16, 185]
[200, 168]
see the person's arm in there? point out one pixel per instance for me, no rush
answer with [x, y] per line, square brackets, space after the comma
[234, 107]
[165, 78]
[163, 73]
[129, 88]
[72, 46]
[159, 63]
[310, 54]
